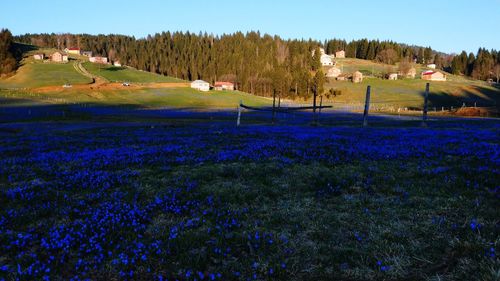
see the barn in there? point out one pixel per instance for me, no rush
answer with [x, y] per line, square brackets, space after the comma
[433, 76]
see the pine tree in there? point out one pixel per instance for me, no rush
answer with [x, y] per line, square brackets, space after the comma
[469, 64]
[427, 55]
[7, 59]
[316, 59]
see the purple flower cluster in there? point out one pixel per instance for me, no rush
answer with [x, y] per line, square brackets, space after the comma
[79, 207]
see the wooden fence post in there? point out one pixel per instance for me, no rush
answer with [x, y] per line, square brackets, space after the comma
[314, 108]
[320, 103]
[424, 112]
[274, 105]
[239, 114]
[367, 106]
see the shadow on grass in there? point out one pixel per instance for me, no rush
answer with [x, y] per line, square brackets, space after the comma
[20, 110]
[489, 98]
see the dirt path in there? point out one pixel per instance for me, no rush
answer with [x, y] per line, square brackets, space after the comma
[99, 85]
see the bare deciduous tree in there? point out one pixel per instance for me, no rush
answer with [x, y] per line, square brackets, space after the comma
[405, 66]
[388, 56]
[281, 51]
[496, 71]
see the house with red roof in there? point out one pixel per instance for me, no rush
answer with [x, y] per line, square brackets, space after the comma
[223, 86]
[75, 51]
[432, 75]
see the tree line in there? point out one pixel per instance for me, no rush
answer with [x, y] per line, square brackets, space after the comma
[384, 51]
[256, 63]
[484, 65]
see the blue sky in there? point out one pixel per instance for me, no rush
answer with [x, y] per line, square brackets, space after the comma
[445, 25]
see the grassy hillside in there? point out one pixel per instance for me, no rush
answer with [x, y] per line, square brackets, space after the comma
[34, 73]
[349, 65]
[171, 97]
[409, 92]
[120, 74]
[37, 74]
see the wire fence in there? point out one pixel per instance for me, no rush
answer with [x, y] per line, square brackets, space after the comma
[288, 110]
[391, 106]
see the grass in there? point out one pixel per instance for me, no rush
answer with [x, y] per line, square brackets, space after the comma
[168, 97]
[409, 92]
[37, 74]
[121, 74]
[349, 65]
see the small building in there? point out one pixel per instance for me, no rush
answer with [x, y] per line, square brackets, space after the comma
[87, 53]
[102, 60]
[357, 77]
[340, 54]
[39, 56]
[433, 75]
[59, 57]
[392, 76]
[431, 66]
[74, 51]
[333, 72]
[117, 63]
[223, 86]
[200, 85]
[344, 77]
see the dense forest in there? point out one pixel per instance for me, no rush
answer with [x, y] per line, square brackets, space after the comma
[256, 63]
[7, 55]
[484, 65]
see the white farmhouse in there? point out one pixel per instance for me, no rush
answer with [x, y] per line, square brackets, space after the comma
[326, 60]
[392, 76]
[200, 85]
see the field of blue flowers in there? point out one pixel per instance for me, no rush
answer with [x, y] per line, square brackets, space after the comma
[208, 201]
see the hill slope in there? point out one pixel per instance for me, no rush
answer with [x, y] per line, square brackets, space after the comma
[409, 92]
[121, 74]
[38, 74]
[168, 97]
